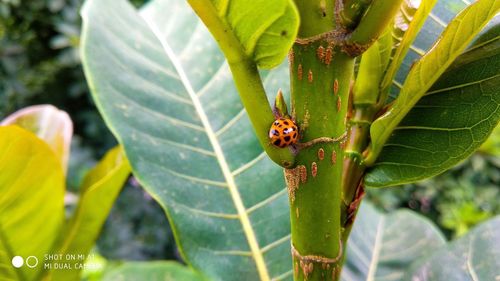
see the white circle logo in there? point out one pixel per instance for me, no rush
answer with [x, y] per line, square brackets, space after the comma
[17, 261]
[33, 263]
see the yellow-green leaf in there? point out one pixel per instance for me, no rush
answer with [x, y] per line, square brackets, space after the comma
[429, 68]
[52, 125]
[97, 195]
[31, 201]
[371, 69]
[262, 30]
[407, 24]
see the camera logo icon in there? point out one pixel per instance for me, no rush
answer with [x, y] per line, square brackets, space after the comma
[18, 261]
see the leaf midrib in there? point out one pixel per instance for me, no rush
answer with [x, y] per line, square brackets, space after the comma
[233, 190]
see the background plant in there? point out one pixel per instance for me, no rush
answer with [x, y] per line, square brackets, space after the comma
[35, 150]
[40, 64]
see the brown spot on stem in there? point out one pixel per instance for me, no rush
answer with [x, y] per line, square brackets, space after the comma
[310, 268]
[355, 49]
[321, 154]
[314, 169]
[305, 121]
[335, 272]
[334, 157]
[299, 71]
[292, 178]
[320, 53]
[335, 87]
[302, 173]
[342, 144]
[296, 269]
[304, 271]
[291, 57]
[310, 76]
[307, 262]
[339, 103]
[328, 55]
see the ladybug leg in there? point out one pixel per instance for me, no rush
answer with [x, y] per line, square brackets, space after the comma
[294, 149]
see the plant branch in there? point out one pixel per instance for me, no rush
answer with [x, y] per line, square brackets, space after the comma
[316, 17]
[255, 101]
[352, 11]
[320, 78]
[372, 25]
[247, 80]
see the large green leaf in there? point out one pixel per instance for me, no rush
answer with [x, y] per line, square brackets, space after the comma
[172, 104]
[97, 195]
[50, 124]
[31, 205]
[430, 67]
[165, 271]
[383, 246]
[449, 123]
[261, 29]
[475, 256]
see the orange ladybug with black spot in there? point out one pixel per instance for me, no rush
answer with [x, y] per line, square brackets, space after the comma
[283, 132]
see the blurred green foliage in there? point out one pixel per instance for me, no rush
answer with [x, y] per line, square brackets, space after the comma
[137, 228]
[456, 200]
[40, 63]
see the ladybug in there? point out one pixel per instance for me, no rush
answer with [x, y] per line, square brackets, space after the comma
[283, 132]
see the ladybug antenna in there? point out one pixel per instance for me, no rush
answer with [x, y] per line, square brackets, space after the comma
[280, 109]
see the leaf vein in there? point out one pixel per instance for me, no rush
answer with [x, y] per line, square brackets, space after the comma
[249, 164]
[266, 201]
[177, 144]
[189, 177]
[276, 243]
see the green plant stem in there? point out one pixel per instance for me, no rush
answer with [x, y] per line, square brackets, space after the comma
[354, 167]
[352, 11]
[254, 99]
[375, 20]
[247, 79]
[320, 79]
[316, 17]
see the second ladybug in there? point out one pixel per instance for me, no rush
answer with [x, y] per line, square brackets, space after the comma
[283, 132]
